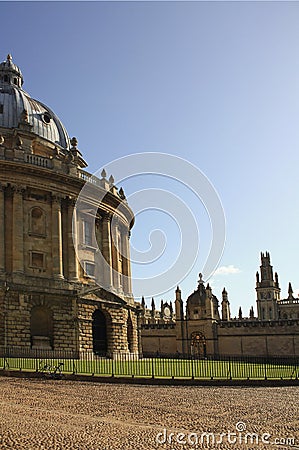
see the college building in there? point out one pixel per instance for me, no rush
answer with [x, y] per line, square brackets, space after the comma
[65, 271]
[201, 329]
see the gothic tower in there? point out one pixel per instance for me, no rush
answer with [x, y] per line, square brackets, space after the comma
[267, 289]
[225, 306]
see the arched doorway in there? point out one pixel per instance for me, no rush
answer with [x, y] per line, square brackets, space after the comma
[41, 327]
[198, 344]
[99, 333]
[130, 333]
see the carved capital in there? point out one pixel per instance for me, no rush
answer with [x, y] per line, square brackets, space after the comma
[106, 217]
[71, 202]
[17, 189]
[56, 198]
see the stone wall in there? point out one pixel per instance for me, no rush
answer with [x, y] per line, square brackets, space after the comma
[158, 338]
[16, 319]
[269, 338]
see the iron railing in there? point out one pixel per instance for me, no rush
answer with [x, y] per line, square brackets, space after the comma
[152, 366]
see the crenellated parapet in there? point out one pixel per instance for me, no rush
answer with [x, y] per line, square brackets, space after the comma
[153, 316]
[248, 323]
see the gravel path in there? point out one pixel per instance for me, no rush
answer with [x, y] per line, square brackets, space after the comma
[62, 415]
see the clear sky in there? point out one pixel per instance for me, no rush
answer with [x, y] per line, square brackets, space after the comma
[214, 83]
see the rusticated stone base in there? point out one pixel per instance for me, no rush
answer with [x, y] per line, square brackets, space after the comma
[69, 326]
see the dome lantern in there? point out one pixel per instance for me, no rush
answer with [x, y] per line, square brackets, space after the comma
[10, 74]
[14, 101]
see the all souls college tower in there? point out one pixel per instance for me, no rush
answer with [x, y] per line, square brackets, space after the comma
[207, 328]
[48, 299]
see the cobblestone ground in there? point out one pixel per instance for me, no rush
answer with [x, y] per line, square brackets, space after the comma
[44, 414]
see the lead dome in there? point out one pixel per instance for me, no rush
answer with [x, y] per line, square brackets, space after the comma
[15, 104]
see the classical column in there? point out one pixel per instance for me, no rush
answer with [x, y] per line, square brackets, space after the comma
[18, 230]
[72, 240]
[2, 229]
[126, 262]
[106, 250]
[57, 237]
[116, 256]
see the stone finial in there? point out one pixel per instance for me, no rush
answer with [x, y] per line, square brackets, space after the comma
[122, 194]
[153, 308]
[257, 277]
[251, 313]
[200, 281]
[111, 179]
[290, 291]
[103, 173]
[74, 142]
[240, 313]
[9, 57]
[143, 302]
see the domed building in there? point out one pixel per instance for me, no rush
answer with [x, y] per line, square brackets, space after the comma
[53, 294]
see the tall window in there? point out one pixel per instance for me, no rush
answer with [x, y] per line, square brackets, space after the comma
[89, 269]
[41, 326]
[130, 333]
[87, 232]
[99, 333]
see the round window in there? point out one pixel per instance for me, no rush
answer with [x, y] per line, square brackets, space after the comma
[46, 117]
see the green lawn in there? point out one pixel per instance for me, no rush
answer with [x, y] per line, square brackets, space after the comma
[161, 368]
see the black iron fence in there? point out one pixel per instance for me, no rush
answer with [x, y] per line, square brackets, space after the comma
[47, 362]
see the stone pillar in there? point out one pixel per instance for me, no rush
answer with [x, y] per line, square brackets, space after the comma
[126, 262]
[116, 256]
[57, 238]
[2, 229]
[106, 250]
[18, 230]
[72, 236]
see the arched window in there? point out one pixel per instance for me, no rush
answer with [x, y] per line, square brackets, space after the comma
[99, 333]
[198, 344]
[37, 222]
[130, 333]
[87, 232]
[41, 327]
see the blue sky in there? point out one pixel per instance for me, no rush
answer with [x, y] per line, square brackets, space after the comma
[215, 83]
